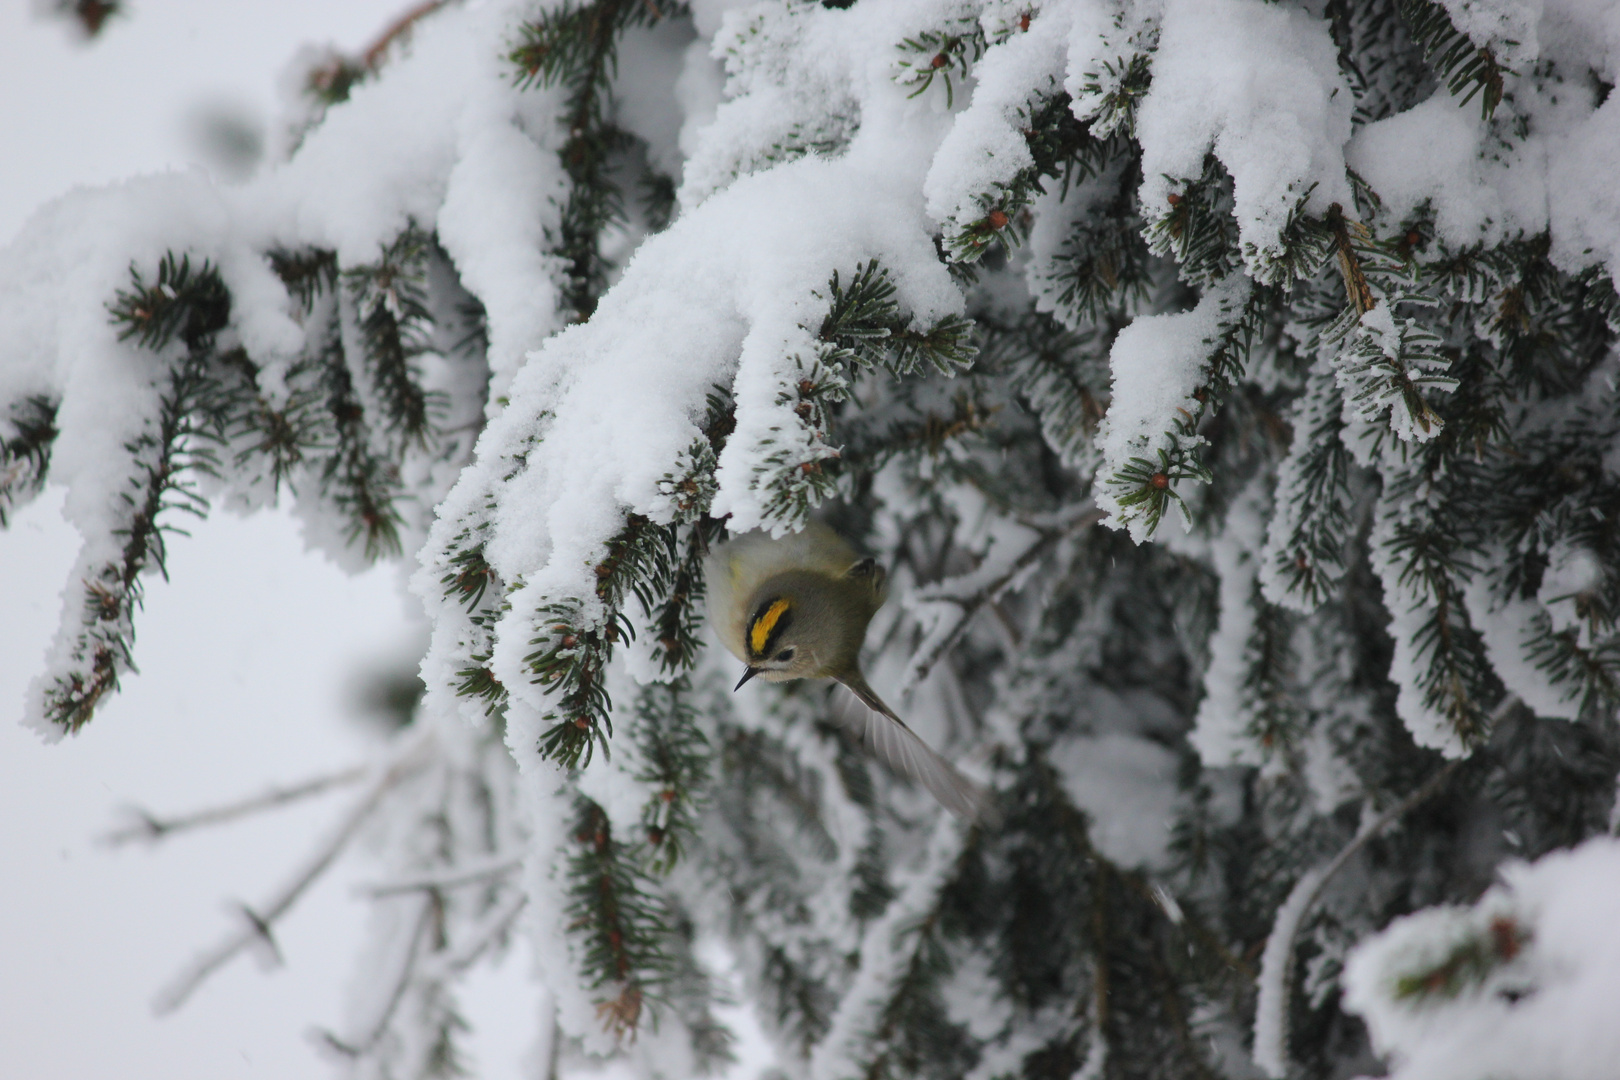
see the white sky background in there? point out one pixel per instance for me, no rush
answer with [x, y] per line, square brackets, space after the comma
[248, 656]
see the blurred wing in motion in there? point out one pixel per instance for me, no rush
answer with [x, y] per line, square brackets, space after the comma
[902, 750]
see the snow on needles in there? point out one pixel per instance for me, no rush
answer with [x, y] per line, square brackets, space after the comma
[1521, 986]
[1158, 362]
[439, 132]
[1259, 85]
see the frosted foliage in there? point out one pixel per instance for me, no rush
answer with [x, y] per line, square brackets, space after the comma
[986, 146]
[1380, 371]
[557, 297]
[1258, 85]
[1159, 364]
[1519, 985]
[1226, 732]
[1507, 626]
[1506, 26]
[443, 130]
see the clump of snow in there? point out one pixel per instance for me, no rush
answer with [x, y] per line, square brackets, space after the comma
[986, 147]
[1446, 156]
[1126, 784]
[1506, 27]
[1158, 361]
[788, 90]
[1507, 627]
[1223, 730]
[1258, 85]
[1542, 1005]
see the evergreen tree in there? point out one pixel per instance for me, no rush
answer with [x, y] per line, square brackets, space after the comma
[1228, 386]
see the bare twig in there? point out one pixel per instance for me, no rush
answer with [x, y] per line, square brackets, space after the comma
[971, 592]
[262, 919]
[436, 967]
[494, 926]
[151, 828]
[1276, 963]
[357, 1047]
[401, 26]
[447, 878]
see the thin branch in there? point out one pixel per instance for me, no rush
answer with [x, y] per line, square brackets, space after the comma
[258, 927]
[354, 1048]
[151, 828]
[1276, 963]
[448, 878]
[371, 59]
[985, 586]
[495, 925]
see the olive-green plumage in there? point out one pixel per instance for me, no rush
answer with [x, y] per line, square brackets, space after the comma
[798, 608]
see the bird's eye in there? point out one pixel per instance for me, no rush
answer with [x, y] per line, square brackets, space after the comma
[784, 656]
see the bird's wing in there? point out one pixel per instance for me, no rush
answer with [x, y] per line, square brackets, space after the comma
[903, 750]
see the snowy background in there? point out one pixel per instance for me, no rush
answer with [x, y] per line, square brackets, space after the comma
[252, 659]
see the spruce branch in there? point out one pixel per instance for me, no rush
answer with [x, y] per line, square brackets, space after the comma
[1143, 488]
[1426, 555]
[308, 273]
[1103, 269]
[570, 662]
[864, 328]
[325, 425]
[614, 907]
[172, 449]
[1062, 375]
[1304, 557]
[1197, 228]
[1063, 148]
[363, 483]
[279, 436]
[941, 54]
[1465, 68]
[1275, 983]
[468, 581]
[390, 301]
[576, 46]
[675, 759]
[1113, 92]
[1350, 241]
[25, 454]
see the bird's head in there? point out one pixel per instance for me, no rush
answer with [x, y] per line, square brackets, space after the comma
[780, 638]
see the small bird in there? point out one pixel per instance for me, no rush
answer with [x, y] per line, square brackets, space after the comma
[798, 608]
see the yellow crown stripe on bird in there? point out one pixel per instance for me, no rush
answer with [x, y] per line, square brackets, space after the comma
[760, 632]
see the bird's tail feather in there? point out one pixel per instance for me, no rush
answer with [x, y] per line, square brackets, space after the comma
[904, 751]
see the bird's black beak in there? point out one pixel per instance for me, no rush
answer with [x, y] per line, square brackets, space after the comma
[749, 674]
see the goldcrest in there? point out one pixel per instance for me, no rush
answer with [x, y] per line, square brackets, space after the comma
[797, 608]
